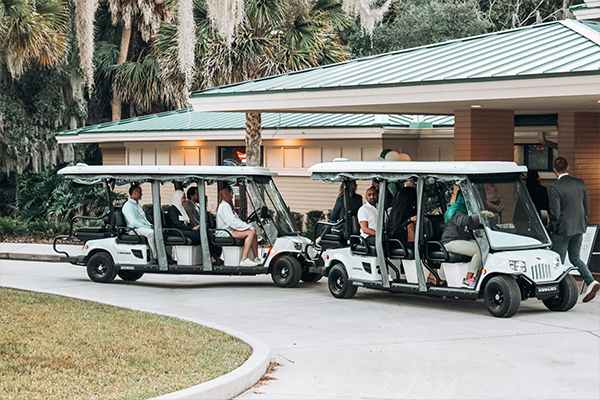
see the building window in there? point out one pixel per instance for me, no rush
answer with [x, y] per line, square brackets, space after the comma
[233, 155]
[535, 156]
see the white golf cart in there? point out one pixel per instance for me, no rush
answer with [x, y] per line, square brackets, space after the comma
[515, 247]
[113, 249]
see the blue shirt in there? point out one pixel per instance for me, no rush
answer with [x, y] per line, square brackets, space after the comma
[134, 215]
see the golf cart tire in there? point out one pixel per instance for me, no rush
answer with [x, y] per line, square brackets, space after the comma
[567, 298]
[339, 285]
[130, 276]
[101, 268]
[311, 277]
[286, 272]
[502, 296]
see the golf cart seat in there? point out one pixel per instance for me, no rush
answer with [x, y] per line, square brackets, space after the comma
[123, 232]
[434, 249]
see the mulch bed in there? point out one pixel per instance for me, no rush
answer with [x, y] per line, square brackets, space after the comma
[32, 239]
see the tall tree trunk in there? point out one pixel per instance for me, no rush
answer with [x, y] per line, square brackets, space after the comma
[124, 49]
[253, 139]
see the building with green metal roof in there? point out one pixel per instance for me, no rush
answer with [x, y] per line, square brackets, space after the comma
[485, 81]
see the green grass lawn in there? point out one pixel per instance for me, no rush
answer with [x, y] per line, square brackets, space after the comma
[54, 347]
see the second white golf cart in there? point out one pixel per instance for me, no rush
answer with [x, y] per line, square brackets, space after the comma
[515, 248]
[112, 249]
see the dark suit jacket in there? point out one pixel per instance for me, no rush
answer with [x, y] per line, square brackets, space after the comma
[192, 212]
[569, 206]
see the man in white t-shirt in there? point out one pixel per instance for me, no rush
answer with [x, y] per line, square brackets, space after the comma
[367, 216]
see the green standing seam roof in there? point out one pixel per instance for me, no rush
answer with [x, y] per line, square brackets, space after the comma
[545, 50]
[188, 120]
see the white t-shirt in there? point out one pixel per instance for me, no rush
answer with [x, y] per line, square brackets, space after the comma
[228, 220]
[367, 213]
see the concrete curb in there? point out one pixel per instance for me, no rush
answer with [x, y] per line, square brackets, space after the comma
[30, 257]
[237, 381]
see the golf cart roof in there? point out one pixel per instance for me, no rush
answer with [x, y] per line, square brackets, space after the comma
[89, 174]
[401, 170]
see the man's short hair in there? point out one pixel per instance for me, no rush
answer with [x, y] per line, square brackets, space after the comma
[133, 188]
[372, 187]
[561, 165]
[192, 192]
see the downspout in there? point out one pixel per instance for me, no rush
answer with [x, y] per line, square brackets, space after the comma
[543, 140]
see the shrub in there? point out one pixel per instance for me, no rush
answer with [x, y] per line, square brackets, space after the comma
[298, 220]
[46, 194]
[47, 229]
[11, 227]
[150, 213]
[311, 221]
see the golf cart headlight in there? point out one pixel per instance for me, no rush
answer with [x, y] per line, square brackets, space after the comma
[556, 263]
[518, 266]
[298, 246]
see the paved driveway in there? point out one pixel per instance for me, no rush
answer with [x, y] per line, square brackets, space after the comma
[374, 346]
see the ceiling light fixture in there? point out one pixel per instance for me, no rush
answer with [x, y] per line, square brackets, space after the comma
[475, 106]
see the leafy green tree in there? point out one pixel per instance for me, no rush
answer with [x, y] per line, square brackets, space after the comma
[507, 14]
[417, 23]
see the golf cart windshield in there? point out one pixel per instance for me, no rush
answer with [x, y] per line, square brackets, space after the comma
[278, 211]
[510, 219]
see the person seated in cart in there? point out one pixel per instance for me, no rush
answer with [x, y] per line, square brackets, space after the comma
[177, 218]
[136, 219]
[457, 238]
[229, 221]
[367, 216]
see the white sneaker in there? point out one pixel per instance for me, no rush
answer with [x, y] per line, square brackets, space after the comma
[247, 263]
[591, 291]
[258, 260]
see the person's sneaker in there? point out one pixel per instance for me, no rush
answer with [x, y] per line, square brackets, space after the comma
[468, 283]
[258, 260]
[591, 291]
[247, 263]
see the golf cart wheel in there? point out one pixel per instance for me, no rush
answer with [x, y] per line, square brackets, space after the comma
[567, 297]
[101, 268]
[339, 285]
[286, 272]
[130, 275]
[502, 296]
[311, 277]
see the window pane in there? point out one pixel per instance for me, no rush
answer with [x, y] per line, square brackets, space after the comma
[537, 157]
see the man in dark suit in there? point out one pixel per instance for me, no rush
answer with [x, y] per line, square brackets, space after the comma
[569, 213]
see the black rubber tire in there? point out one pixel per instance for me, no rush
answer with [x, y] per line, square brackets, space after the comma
[101, 268]
[339, 285]
[130, 276]
[311, 277]
[567, 297]
[502, 296]
[286, 272]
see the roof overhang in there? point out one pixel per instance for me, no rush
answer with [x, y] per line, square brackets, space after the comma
[528, 95]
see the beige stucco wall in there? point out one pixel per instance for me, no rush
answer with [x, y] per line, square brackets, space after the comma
[290, 158]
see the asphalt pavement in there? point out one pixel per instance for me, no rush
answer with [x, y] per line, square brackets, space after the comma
[374, 346]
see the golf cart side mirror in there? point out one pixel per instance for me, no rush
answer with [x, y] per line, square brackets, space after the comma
[264, 212]
[474, 222]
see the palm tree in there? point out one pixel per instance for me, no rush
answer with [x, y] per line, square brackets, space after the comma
[33, 32]
[144, 18]
[227, 15]
[276, 36]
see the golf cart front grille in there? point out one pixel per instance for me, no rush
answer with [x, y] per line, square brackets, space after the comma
[541, 271]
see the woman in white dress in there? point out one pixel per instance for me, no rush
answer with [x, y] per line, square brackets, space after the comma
[228, 220]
